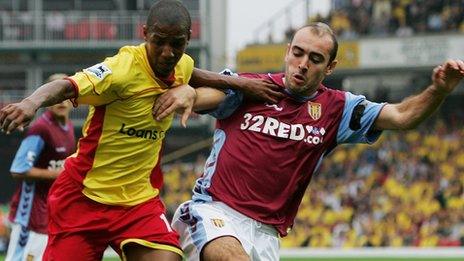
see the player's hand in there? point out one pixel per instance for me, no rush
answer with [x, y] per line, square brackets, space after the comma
[447, 76]
[263, 90]
[179, 99]
[17, 115]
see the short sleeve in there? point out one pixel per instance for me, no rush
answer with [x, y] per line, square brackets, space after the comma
[231, 102]
[101, 83]
[27, 154]
[359, 115]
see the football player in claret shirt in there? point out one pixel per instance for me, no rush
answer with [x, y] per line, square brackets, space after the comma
[104, 196]
[264, 154]
[38, 161]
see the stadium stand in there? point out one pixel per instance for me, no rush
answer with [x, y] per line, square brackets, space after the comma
[352, 19]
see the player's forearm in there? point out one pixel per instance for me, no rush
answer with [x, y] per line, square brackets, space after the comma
[201, 78]
[207, 99]
[51, 93]
[37, 174]
[415, 109]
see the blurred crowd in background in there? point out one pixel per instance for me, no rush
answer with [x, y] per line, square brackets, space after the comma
[400, 17]
[356, 18]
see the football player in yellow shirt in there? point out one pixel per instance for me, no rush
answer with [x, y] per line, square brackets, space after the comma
[104, 196]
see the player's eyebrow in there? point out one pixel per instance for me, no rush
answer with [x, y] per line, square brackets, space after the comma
[163, 35]
[298, 48]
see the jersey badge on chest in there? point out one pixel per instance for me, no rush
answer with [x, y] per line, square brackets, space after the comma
[314, 110]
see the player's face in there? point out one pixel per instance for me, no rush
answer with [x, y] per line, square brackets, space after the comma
[307, 61]
[62, 109]
[165, 45]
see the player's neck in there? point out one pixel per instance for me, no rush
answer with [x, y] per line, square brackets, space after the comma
[302, 96]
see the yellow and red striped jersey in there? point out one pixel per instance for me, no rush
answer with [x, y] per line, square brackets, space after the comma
[121, 140]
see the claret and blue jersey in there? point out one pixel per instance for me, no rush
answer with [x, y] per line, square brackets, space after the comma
[264, 155]
[46, 146]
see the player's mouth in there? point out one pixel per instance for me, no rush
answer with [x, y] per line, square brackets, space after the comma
[298, 79]
[164, 69]
[166, 64]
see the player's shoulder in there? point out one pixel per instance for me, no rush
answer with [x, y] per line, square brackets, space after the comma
[130, 53]
[185, 63]
[184, 69]
[334, 93]
[41, 126]
[127, 58]
[125, 63]
[185, 58]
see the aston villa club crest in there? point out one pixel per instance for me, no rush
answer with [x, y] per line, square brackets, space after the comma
[314, 110]
[217, 222]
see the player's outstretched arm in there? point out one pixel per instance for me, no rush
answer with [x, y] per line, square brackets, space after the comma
[413, 110]
[19, 115]
[37, 174]
[208, 99]
[184, 99]
[260, 89]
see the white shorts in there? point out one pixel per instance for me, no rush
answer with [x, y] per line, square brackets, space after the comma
[199, 223]
[25, 245]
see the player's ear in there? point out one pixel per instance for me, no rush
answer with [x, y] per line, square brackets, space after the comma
[287, 52]
[145, 32]
[331, 67]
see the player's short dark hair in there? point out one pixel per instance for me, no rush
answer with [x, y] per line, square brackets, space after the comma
[169, 12]
[320, 29]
